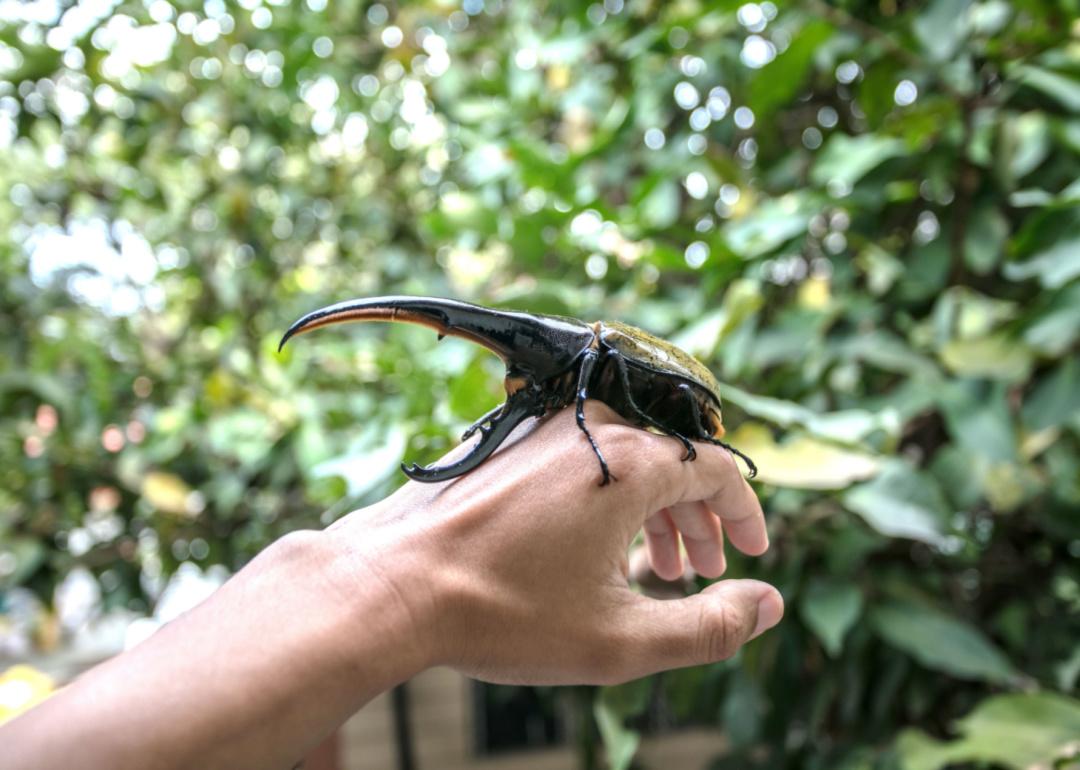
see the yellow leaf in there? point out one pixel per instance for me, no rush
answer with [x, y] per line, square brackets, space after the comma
[558, 77]
[167, 492]
[220, 388]
[802, 462]
[1004, 487]
[996, 357]
[22, 687]
[814, 293]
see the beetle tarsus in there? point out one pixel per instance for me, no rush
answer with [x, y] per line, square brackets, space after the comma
[749, 463]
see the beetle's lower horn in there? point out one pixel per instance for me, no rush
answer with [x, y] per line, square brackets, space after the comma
[539, 345]
[491, 436]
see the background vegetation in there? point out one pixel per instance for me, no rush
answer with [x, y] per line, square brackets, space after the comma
[863, 215]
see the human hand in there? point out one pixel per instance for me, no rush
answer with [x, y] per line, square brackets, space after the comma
[516, 572]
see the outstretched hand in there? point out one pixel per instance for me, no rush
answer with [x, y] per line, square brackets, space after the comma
[517, 571]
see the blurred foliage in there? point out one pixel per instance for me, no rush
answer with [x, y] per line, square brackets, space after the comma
[863, 216]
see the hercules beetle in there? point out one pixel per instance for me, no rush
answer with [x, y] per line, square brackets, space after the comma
[552, 362]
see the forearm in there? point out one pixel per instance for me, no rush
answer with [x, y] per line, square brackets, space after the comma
[253, 677]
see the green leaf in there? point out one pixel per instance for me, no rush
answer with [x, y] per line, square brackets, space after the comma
[1055, 399]
[770, 225]
[1020, 731]
[781, 79]
[47, 388]
[984, 240]
[848, 426]
[458, 212]
[629, 699]
[474, 391]
[620, 742]
[1054, 328]
[1054, 266]
[881, 268]
[25, 554]
[942, 642]
[244, 434]
[830, 609]
[742, 713]
[889, 352]
[701, 338]
[368, 462]
[942, 27]
[989, 17]
[927, 270]
[901, 502]
[847, 159]
[979, 419]
[1064, 89]
[1026, 143]
[876, 89]
[660, 207]
[611, 708]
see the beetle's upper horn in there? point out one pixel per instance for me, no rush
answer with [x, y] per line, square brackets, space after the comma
[539, 345]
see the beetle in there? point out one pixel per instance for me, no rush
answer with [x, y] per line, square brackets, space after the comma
[552, 362]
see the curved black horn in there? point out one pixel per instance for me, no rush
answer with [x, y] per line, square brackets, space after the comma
[541, 346]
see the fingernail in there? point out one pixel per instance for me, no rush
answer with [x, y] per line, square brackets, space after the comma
[770, 610]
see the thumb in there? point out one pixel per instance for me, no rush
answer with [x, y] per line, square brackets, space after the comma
[703, 628]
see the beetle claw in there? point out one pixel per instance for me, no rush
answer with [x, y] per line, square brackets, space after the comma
[749, 463]
[607, 478]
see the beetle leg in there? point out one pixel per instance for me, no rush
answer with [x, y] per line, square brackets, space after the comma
[749, 463]
[518, 408]
[624, 379]
[697, 420]
[486, 418]
[588, 361]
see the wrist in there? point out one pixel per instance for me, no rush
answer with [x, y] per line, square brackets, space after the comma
[383, 600]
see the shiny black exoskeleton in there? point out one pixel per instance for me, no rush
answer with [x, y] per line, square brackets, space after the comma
[552, 362]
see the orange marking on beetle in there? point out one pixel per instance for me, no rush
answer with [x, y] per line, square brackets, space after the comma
[718, 426]
[596, 327]
[394, 314]
[514, 384]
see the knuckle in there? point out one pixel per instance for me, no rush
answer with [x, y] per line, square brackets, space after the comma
[730, 465]
[620, 442]
[296, 545]
[718, 636]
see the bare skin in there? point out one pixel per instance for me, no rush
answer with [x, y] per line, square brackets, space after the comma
[515, 572]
